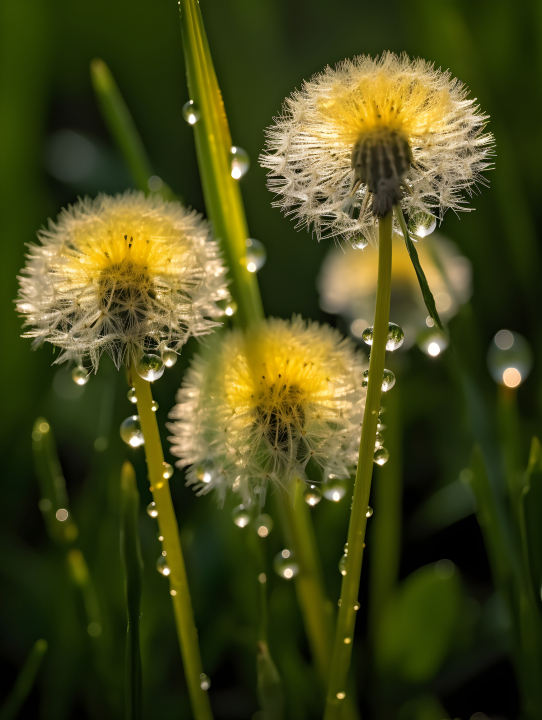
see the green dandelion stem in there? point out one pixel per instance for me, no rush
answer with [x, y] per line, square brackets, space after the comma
[309, 583]
[25, 680]
[122, 127]
[167, 522]
[133, 565]
[344, 634]
[213, 146]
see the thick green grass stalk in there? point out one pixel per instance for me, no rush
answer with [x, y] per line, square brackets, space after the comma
[167, 522]
[213, 145]
[122, 127]
[133, 565]
[24, 683]
[386, 522]
[344, 633]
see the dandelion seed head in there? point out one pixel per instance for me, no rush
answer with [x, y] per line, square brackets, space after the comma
[358, 138]
[257, 409]
[121, 274]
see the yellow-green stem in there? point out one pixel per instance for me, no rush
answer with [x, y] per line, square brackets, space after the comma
[167, 522]
[344, 634]
[315, 607]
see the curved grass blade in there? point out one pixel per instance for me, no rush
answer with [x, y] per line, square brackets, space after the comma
[25, 681]
[428, 298]
[133, 564]
[122, 127]
[213, 145]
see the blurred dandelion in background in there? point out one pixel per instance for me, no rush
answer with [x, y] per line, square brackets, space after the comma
[347, 287]
[259, 410]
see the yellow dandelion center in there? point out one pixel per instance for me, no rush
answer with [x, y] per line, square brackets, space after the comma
[380, 117]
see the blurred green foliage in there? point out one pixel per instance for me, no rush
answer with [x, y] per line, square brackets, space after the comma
[72, 594]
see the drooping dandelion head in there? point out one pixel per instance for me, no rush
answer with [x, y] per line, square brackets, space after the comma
[260, 408]
[372, 133]
[121, 274]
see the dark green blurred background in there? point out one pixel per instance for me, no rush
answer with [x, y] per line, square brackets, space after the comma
[262, 49]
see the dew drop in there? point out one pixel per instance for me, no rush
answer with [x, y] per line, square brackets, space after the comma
[356, 607]
[345, 549]
[80, 376]
[334, 489]
[167, 470]
[369, 511]
[365, 380]
[285, 564]
[205, 471]
[162, 566]
[256, 255]
[347, 640]
[240, 162]
[230, 309]
[240, 516]
[191, 112]
[204, 681]
[151, 510]
[160, 537]
[388, 380]
[422, 224]
[341, 695]
[381, 456]
[359, 243]
[150, 367]
[312, 495]
[379, 440]
[264, 525]
[395, 338]
[61, 514]
[131, 395]
[339, 602]
[169, 357]
[342, 564]
[130, 431]
[154, 406]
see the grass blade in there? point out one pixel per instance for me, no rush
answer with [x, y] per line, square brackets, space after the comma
[133, 564]
[25, 681]
[122, 127]
[213, 146]
[428, 298]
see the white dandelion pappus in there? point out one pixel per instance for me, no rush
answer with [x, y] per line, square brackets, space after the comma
[257, 410]
[357, 139]
[123, 275]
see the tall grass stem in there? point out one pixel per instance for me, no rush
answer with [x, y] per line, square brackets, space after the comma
[133, 565]
[344, 634]
[167, 523]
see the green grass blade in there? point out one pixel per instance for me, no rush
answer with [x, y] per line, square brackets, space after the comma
[270, 693]
[122, 127]
[25, 681]
[213, 145]
[424, 286]
[133, 564]
[54, 498]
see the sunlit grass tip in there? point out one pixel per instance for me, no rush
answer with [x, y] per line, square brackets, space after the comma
[371, 133]
[124, 275]
[257, 409]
